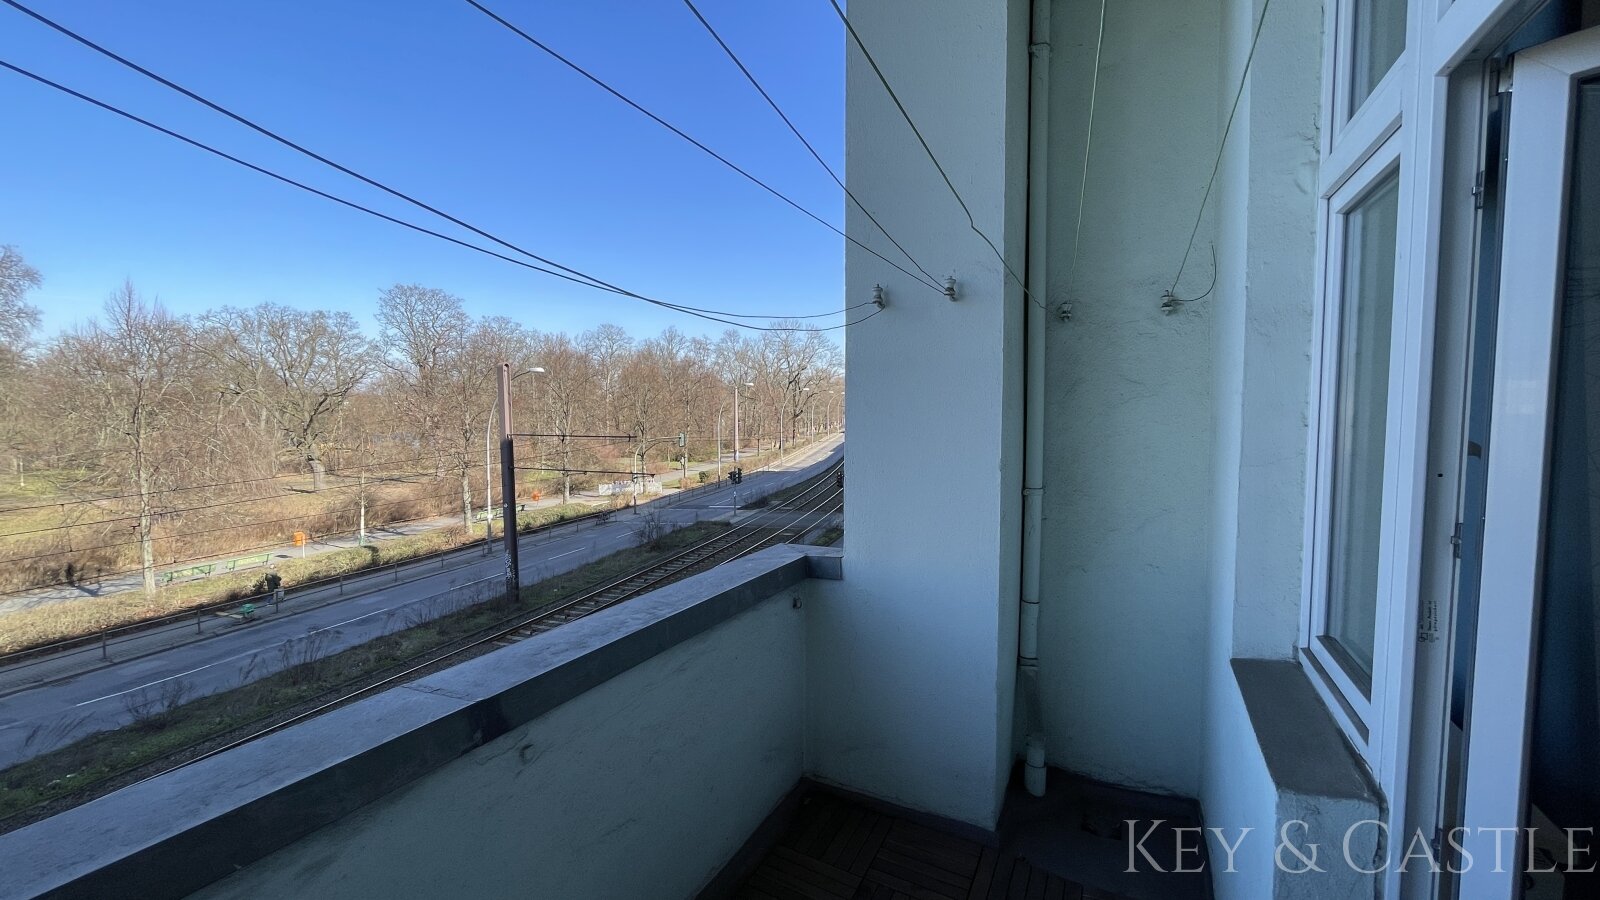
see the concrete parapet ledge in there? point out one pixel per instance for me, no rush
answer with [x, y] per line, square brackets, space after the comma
[174, 834]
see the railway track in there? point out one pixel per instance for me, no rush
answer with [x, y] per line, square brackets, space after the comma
[783, 523]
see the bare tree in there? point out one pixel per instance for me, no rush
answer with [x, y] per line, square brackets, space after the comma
[18, 320]
[608, 347]
[298, 367]
[445, 365]
[568, 393]
[136, 370]
[167, 424]
[422, 334]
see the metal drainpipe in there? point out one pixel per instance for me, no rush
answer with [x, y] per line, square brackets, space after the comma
[1033, 400]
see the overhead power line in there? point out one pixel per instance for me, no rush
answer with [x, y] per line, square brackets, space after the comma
[972, 221]
[571, 274]
[929, 283]
[692, 311]
[802, 138]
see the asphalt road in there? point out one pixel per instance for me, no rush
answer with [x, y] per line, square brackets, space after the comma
[40, 718]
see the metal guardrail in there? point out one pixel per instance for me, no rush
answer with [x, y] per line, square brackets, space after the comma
[105, 639]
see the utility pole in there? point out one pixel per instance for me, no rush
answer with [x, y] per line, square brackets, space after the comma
[719, 443]
[488, 484]
[637, 478]
[361, 535]
[508, 483]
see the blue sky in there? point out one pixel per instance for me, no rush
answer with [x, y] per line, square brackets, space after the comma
[435, 99]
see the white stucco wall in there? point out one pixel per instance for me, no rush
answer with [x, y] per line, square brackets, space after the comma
[1261, 338]
[913, 654]
[642, 787]
[1129, 400]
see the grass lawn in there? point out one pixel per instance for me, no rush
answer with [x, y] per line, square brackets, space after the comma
[102, 762]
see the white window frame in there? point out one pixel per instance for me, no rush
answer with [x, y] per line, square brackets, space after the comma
[1354, 706]
[1360, 149]
[1342, 119]
[1408, 107]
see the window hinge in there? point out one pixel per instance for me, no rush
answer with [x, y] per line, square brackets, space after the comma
[1477, 191]
[1455, 541]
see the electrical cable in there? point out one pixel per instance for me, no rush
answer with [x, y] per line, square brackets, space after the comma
[972, 222]
[1088, 146]
[691, 311]
[576, 276]
[1199, 215]
[682, 134]
[802, 138]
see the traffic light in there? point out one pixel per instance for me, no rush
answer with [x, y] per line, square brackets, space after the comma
[683, 439]
[736, 476]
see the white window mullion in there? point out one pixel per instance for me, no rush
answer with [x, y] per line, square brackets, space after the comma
[1359, 498]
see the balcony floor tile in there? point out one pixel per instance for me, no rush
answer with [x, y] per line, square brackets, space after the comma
[837, 849]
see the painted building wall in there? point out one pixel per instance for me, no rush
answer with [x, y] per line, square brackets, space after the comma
[912, 661]
[1130, 417]
[1175, 441]
[1261, 339]
[642, 787]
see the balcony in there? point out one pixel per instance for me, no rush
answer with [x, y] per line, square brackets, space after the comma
[656, 749]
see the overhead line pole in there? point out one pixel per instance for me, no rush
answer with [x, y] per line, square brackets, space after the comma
[508, 483]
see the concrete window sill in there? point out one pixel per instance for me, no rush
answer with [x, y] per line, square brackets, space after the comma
[1319, 779]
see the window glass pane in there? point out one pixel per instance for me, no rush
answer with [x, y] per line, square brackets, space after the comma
[1379, 37]
[1361, 408]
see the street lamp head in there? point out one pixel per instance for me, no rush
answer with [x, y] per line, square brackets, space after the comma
[749, 384]
[539, 369]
